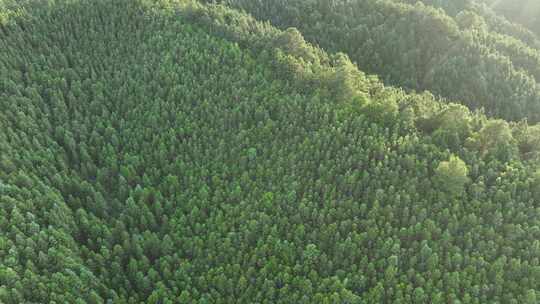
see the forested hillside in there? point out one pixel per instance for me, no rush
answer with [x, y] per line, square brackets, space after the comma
[177, 152]
[525, 12]
[494, 18]
[419, 47]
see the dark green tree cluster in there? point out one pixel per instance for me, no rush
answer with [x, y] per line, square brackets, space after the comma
[419, 47]
[174, 152]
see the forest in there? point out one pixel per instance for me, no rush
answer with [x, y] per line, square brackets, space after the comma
[300, 151]
[467, 58]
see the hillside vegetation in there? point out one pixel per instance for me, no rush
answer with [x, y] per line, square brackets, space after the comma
[524, 12]
[418, 47]
[178, 152]
[498, 15]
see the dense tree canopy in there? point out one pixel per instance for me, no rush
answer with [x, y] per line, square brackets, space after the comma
[525, 12]
[470, 57]
[498, 15]
[177, 152]
[452, 175]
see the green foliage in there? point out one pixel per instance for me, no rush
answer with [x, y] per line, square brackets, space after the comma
[454, 125]
[451, 175]
[464, 54]
[469, 21]
[528, 140]
[494, 139]
[174, 152]
[535, 185]
[524, 12]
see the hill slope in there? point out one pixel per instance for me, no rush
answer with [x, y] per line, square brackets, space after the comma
[494, 16]
[525, 12]
[170, 152]
[421, 48]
